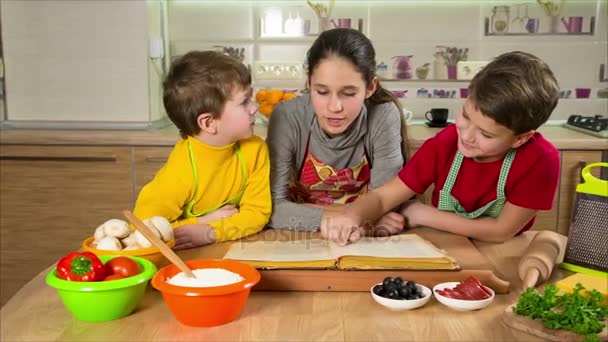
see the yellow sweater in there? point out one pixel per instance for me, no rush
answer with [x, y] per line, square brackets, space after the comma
[219, 179]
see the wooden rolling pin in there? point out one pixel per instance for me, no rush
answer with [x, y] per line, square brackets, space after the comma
[536, 264]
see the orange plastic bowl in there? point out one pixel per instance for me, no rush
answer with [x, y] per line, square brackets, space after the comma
[207, 306]
[150, 253]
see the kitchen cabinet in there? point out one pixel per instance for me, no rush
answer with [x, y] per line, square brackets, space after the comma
[51, 199]
[572, 164]
[146, 162]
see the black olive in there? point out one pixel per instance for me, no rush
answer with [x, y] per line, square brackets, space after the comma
[387, 281]
[413, 296]
[392, 293]
[404, 291]
[399, 282]
[390, 287]
[379, 290]
[411, 285]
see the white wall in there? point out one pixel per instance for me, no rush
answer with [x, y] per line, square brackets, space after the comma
[412, 27]
[78, 60]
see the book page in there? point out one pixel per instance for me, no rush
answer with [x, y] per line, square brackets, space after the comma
[299, 250]
[397, 246]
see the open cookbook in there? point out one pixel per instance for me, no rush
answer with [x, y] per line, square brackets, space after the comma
[406, 251]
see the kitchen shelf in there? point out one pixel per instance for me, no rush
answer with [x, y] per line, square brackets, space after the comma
[591, 31]
[421, 81]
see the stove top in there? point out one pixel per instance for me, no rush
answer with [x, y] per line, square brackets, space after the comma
[595, 125]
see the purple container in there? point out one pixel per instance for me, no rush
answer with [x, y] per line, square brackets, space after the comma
[583, 93]
[464, 93]
[452, 71]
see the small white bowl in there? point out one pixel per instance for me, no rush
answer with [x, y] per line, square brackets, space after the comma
[403, 304]
[461, 304]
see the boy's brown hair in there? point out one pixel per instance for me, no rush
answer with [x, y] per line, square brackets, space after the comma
[201, 82]
[517, 90]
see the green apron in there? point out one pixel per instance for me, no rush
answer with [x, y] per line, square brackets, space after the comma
[235, 200]
[447, 202]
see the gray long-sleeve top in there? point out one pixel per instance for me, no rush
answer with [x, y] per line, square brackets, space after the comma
[377, 129]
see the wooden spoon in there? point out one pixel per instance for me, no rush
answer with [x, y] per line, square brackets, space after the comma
[162, 247]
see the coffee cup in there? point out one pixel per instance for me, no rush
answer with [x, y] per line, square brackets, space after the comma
[437, 115]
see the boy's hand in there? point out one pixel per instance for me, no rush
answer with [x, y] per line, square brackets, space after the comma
[340, 227]
[193, 235]
[223, 212]
[415, 212]
[390, 224]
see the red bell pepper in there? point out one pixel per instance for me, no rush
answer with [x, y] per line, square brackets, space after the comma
[84, 266]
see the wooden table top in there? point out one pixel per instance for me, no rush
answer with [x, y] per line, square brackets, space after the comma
[36, 313]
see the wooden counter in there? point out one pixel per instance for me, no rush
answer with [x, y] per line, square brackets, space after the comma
[562, 138]
[35, 313]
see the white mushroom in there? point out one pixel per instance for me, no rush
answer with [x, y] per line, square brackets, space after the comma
[132, 247]
[109, 243]
[116, 228]
[129, 241]
[162, 225]
[99, 234]
[141, 239]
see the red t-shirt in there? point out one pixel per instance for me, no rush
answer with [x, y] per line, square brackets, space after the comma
[531, 183]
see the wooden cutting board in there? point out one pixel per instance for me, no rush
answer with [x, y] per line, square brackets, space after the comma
[472, 262]
[535, 327]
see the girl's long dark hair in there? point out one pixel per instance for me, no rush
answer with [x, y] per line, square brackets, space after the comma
[355, 47]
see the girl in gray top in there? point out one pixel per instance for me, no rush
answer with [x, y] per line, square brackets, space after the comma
[340, 141]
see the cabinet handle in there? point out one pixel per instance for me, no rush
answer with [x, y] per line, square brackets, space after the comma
[75, 159]
[581, 165]
[156, 160]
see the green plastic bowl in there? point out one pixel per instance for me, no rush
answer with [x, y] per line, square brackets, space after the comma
[101, 301]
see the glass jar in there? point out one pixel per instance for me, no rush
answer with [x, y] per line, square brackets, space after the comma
[500, 19]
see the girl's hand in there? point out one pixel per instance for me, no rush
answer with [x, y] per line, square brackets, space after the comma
[390, 224]
[223, 212]
[193, 235]
[340, 227]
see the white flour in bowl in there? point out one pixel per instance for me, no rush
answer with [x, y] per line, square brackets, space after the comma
[206, 277]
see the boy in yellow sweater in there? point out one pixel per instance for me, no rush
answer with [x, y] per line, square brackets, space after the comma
[215, 184]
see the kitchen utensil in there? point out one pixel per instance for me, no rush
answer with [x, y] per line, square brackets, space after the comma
[437, 115]
[590, 282]
[586, 250]
[464, 93]
[341, 22]
[150, 253]
[500, 19]
[582, 93]
[101, 301]
[207, 306]
[517, 18]
[166, 251]
[525, 17]
[573, 24]
[472, 261]
[537, 262]
[532, 25]
[402, 67]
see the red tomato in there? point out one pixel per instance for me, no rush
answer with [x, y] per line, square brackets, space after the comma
[113, 277]
[122, 266]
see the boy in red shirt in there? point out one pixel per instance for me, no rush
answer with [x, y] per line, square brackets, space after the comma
[492, 171]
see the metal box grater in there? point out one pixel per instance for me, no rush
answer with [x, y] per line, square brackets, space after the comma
[587, 247]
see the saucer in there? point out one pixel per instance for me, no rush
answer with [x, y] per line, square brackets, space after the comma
[432, 124]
